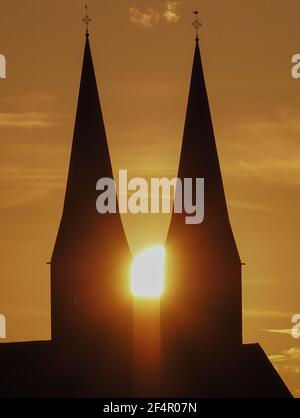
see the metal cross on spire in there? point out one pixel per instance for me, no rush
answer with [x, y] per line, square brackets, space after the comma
[87, 21]
[197, 24]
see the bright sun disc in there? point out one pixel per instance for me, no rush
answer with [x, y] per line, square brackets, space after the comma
[147, 273]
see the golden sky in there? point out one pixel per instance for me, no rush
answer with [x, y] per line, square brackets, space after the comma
[143, 52]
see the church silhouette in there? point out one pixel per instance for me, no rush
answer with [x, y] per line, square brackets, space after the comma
[91, 349]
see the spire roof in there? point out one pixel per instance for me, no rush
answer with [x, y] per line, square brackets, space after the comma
[199, 159]
[91, 255]
[203, 264]
[90, 161]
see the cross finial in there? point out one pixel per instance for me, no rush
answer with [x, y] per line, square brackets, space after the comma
[87, 21]
[197, 24]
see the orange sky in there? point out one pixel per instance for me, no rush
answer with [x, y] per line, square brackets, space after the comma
[143, 59]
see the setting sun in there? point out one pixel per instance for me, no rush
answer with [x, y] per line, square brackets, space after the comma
[147, 273]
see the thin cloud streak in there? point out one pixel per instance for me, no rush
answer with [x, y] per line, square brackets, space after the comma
[27, 120]
[20, 185]
[257, 313]
[237, 204]
[279, 331]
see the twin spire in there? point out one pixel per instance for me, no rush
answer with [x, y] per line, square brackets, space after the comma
[197, 24]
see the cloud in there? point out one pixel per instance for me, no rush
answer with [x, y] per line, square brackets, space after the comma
[258, 313]
[26, 120]
[279, 331]
[171, 14]
[293, 353]
[269, 150]
[238, 204]
[20, 185]
[150, 17]
[268, 169]
[146, 19]
[288, 360]
[34, 100]
[24, 311]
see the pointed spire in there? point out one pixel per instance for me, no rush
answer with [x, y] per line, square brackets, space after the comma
[90, 158]
[91, 253]
[199, 159]
[203, 293]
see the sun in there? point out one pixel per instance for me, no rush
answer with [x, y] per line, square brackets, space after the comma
[147, 274]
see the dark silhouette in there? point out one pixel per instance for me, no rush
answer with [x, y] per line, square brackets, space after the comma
[90, 353]
[91, 308]
[201, 310]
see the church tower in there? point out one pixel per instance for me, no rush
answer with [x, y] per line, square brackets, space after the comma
[91, 352]
[201, 308]
[90, 301]
[203, 354]
[205, 267]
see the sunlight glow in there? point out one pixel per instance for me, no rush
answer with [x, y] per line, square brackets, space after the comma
[147, 273]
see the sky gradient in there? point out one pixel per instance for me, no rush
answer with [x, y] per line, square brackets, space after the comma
[143, 53]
